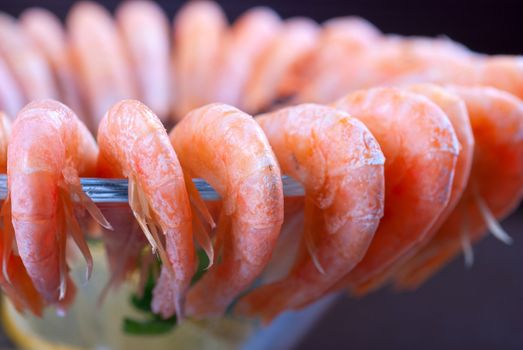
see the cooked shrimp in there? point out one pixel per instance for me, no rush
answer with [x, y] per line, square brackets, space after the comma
[199, 29]
[48, 151]
[495, 187]
[295, 41]
[245, 41]
[11, 97]
[134, 144]
[340, 39]
[455, 109]
[340, 165]
[145, 31]
[48, 35]
[14, 280]
[421, 149]
[392, 61]
[99, 58]
[228, 149]
[502, 72]
[28, 66]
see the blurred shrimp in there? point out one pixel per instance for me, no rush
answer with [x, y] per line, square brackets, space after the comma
[48, 35]
[228, 149]
[494, 190]
[501, 72]
[340, 165]
[456, 111]
[11, 97]
[25, 62]
[293, 43]
[339, 40]
[421, 150]
[134, 144]
[99, 59]
[245, 41]
[199, 32]
[145, 31]
[48, 151]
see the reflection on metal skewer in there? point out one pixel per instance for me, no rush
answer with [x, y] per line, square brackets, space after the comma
[115, 190]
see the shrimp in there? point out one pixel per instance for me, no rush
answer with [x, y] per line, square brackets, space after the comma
[228, 149]
[340, 39]
[245, 41]
[391, 61]
[28, 66]
[295, 41]
[48, 151]
[48, 35]
[340, 165]
[501, 72]
[14, 280]
[11, 98]
[421, 149]
[134, 144]
[455, 109]
[103, 69]
[199, 29]
[145, 31]
[494, 189]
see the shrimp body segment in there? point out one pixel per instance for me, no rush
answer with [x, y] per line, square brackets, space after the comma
[494, 190]
[134, 144]
[28, 66]
[145, 32]
[245, 41]
[103, 69]
[340, 165]
[199, 31]
[48, 35]
[228, 149]
[420, 148]
[48, 151]
[277, 62]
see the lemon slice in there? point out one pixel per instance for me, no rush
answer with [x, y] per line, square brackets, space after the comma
[89, 326]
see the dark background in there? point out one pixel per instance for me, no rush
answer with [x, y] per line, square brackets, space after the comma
[477, 308]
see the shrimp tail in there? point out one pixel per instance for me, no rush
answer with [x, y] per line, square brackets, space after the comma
[310, 228]
[200, 211]
[140, 208]
[492, 224]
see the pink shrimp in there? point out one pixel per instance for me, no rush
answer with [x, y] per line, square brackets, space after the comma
[28, 66]
[421, 149]
[502, 72]
[340, 165]
[199, 29]
[228, 149]
[145, 31]
[245, 41]
[494, 189]
[11, 97]
[295, 41]
[340, 39]
[134, 144]
[49, 149]
[99, 58]
[455, 109]
[48, 35]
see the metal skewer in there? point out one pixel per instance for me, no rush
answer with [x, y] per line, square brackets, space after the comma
[115, 190]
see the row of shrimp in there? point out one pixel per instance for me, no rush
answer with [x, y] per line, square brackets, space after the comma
[260, 60]
[397, 181]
